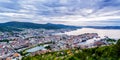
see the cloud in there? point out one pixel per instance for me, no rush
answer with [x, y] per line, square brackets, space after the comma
[59, 11]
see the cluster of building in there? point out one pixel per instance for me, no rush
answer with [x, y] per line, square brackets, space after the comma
[11, 43]
[87, 40]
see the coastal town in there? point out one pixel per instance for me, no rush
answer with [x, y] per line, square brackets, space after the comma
[15, 45]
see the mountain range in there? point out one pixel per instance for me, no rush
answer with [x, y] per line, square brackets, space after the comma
[16, 26]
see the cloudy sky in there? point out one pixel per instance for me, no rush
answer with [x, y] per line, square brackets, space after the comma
[70, 12]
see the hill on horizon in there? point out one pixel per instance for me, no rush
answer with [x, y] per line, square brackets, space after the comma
[15, 26]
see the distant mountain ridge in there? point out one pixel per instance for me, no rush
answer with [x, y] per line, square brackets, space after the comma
[14, 26]
[102, 27]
